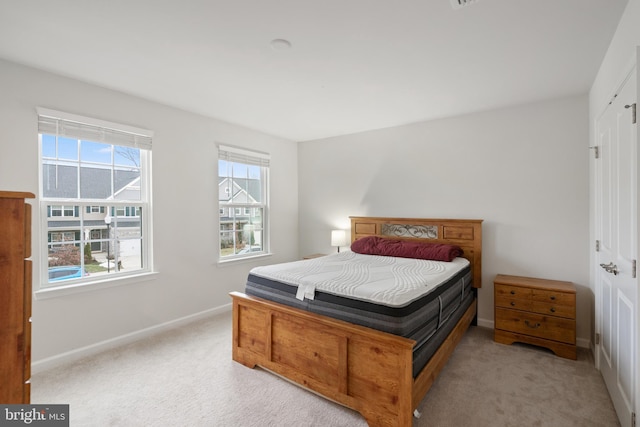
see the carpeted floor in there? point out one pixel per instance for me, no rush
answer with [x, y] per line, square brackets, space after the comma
[185, 377]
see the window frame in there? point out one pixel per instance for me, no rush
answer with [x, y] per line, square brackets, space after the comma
[229, 211]
[87, 207]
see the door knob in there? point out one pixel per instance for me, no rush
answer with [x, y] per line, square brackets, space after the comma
[610, 268]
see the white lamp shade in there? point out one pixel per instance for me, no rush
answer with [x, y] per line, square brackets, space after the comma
[338, 238]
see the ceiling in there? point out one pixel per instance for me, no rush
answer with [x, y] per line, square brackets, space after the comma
[353, 65]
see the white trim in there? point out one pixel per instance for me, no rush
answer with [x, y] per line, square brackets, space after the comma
[90, 350]
[584, 343]
[47, 292]
[240, 258]
[485, 323]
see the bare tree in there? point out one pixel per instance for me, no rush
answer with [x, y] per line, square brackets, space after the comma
[129, 153]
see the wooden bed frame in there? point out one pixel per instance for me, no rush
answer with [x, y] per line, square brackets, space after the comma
[364, 369]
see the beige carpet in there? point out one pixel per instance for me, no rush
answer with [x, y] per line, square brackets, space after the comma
[186, 377]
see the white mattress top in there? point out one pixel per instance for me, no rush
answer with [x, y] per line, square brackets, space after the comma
[390, 281]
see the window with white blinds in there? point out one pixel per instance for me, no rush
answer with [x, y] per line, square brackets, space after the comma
[94, 199]
[243, 202]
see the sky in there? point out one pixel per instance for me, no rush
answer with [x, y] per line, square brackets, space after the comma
[88, 152]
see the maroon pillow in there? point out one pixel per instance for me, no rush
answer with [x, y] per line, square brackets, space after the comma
[374, 245]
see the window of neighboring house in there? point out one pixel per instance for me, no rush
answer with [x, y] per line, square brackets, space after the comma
[243, 202]
[95, 209]
[126, 211]
[94, 199]
[57, 210]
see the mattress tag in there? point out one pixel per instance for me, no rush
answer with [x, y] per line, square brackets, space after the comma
[300, 293]
[306, 291]
[310, 292]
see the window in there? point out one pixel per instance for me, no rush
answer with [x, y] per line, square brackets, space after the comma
[57, 210]
[94, 199]
[243, 202]
[95, 209]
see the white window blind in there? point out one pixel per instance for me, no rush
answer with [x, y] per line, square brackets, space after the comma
[65, 124]
[239, 155]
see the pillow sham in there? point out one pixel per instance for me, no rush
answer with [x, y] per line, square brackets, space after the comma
[375, 245]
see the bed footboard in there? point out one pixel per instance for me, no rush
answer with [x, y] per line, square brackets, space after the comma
[363, 369]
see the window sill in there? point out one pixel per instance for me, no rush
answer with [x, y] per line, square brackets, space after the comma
[234, 261]
[75, 288]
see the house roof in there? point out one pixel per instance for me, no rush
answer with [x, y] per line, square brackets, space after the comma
[250, 187]
[352, 65]
[61, 181]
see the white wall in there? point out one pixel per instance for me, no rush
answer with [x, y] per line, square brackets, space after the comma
[184, 201]
[618, 59]
[524, 170]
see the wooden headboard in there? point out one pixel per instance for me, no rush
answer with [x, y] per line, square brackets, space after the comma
[466, 233]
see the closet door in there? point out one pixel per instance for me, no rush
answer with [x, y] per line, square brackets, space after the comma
[617, 228]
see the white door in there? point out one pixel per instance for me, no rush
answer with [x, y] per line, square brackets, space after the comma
[616, 222]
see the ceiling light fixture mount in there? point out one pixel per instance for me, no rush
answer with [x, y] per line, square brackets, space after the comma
[280, 44]
[458, 4]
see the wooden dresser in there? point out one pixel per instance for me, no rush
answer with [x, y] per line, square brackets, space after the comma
[536, 311]
[15, 303]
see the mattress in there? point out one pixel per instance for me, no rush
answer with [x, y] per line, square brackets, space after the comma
[383, 280]
[406, 297]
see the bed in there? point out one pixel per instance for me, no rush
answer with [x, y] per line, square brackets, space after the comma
[381, 374]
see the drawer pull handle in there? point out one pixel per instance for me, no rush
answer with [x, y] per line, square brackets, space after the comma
[553, 310]
[513, 303]
[537, 325]
[553, 298]
[513, 292]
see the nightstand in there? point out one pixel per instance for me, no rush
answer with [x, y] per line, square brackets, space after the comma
[536, 311]
[312, 256]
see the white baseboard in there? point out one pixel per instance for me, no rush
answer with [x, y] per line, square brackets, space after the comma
[73, 355]
[584, 343]
[484, 323]
[580, 342]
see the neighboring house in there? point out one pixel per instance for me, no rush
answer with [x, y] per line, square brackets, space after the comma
[65, 222]
[239, 191]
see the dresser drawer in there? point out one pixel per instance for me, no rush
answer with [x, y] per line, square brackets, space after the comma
[550, 296]
[568, 311]
[512, 292]
[514, 303]
[537, 325]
